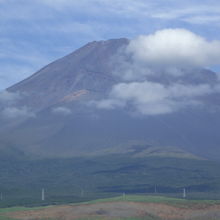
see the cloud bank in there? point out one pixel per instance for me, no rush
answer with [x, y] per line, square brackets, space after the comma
[150, 98]
[158, 72]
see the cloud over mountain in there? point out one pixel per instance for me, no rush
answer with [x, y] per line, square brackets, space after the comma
[6, 96]
[151, 98]
[61, 111]
[175, 47]
[169, 54]
[16, 113]
[10, 110]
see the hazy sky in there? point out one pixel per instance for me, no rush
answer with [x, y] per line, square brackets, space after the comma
[36, 32]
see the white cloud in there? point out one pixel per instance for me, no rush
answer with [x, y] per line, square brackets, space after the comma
[14, 112]
[189, 9]
[175, 47]
[203, 19]
[166, 52]
[9, 97]
[110, 103]
[61, 110]
[151, 98]
[169, 10]
[10, 110]
[122, 7]
[170, 54]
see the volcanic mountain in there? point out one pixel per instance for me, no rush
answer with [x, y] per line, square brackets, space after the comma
[86, 125]
[53, 113]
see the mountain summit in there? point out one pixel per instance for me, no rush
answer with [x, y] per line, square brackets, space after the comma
[87, 71]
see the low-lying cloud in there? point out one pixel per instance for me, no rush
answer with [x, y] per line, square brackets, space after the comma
[151, 98]
[15, 112]
[61, 110]
[10, 97]
[9, 108]
[152, 68]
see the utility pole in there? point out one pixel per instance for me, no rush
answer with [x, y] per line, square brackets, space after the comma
[184, 193]
[1, 196]
[155, 189]
[42, 194]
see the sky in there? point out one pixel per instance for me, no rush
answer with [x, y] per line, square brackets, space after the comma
[34, 33]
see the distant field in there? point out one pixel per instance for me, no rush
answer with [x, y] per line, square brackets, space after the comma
[129, 207]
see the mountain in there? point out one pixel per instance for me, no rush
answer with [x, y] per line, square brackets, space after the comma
[85, 72]
[52, 131]
[65, 124]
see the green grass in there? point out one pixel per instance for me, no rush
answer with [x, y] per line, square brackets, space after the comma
[19, 208]
[106, 218]
[13, 209]
[130, 218]
[156, 199]
[6, 218]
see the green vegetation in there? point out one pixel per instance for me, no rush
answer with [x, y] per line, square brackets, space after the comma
[15, 209]
[6, 218]
[131, 218]
[82, 179]
[158, 199]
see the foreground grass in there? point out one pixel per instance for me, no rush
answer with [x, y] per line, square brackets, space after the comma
[19, 208]
[157, 199]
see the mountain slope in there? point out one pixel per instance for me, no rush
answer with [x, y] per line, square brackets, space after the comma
[86, 71]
